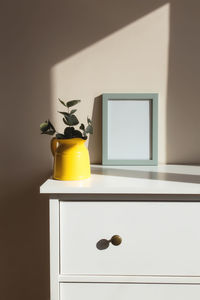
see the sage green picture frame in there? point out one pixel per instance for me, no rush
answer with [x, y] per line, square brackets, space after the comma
[154, 129]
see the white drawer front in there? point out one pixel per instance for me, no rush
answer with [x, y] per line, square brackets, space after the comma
[158, 238]
[99, 291]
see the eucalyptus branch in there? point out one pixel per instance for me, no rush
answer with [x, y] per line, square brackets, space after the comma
[69, 119]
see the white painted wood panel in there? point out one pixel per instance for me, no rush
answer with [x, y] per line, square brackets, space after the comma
[143, 180]
[54, 248]
[99, 291]
[157, 238]
[130, 279]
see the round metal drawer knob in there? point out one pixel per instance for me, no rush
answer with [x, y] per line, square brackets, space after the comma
[116, 240]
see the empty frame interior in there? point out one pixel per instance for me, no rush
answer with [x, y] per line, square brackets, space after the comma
[129, 129]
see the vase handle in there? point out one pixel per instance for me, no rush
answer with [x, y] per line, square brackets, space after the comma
[53, 145]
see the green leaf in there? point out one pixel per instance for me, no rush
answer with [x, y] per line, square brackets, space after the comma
[44, 126]
[77, 134]
[51, 126]
[62, 102]
[72, 103]
[73, 111]
[89, 129]
[64, 113]
[47, 128]
[71, 120]
[68, 132]
[71, 133]
[82, 127]
[89, 121]
[65, 121]
[49, 132]
[60, 136]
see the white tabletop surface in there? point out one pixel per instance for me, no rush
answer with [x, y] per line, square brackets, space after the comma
[161, 180]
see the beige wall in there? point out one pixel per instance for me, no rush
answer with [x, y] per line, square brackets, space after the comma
[132, 59]
[81, 49]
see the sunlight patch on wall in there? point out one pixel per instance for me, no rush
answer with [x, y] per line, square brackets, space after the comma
[132, 59]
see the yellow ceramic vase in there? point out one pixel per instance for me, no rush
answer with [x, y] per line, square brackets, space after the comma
[71, 159]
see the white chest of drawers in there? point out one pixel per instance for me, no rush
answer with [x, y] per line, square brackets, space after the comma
[155, 211]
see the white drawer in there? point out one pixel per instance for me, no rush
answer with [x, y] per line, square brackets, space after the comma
[99, 291]
[158, 238]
